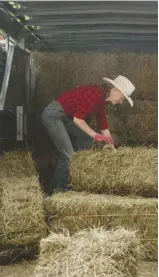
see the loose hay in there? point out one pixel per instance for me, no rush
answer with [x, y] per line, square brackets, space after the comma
[23, 219]
[127, 171]
[89, 253]
[77, 211]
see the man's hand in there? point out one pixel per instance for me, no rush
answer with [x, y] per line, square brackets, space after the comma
[107, 139]
[106, 133]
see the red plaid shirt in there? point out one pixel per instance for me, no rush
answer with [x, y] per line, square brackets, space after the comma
[84, 101]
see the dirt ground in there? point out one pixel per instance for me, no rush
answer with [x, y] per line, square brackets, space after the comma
[26, 269]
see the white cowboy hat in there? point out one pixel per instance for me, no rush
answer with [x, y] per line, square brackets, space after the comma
[124, 85]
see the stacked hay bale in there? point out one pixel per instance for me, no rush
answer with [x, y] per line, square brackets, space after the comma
[89, 253]
[139, 124]
[57, 72]
[127, 172]
[76, 211]
[22, 215]
[142, 69]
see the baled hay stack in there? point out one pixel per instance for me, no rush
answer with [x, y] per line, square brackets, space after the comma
[142, 70]
[140, 122]
[23, 220]
[89, 253]
[57, 72]
[127, 171]
[77, 211]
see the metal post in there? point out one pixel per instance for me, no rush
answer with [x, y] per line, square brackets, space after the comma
[32, 77]
[6, 76]
[27, 78]
[20, 123]
[7, 44]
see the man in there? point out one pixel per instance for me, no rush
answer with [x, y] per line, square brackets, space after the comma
[65, 122]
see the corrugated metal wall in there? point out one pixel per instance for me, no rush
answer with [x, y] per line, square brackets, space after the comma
[96, 25]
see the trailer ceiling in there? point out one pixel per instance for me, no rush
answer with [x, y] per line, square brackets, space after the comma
[94, 25]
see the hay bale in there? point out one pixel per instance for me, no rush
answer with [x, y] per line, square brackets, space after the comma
[127, 171]
[57, 72]
[140, 123]
[23, 219]
[94, 252]
[145, 107]
[77, 211]
[19, 163]
[142, 70]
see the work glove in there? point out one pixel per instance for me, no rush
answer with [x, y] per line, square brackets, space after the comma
[106, 139]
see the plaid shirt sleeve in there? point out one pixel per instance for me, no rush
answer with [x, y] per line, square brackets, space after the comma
[101, 119]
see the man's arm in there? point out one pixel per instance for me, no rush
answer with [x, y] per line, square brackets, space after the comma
[81, 123]
[103, 124]
[105, 132]
[85, 128]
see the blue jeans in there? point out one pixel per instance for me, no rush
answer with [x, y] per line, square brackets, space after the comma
[67, 138]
